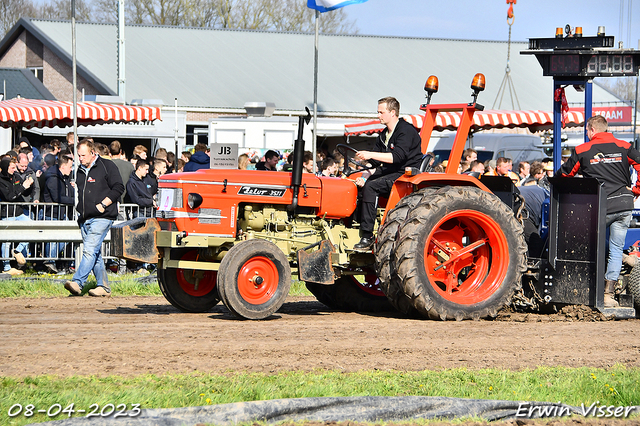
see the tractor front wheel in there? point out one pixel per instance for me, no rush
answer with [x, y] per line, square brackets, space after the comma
[187, 289]
[254, 279]
[460, 254]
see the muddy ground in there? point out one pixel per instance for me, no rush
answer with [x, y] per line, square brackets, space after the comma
[134, 335]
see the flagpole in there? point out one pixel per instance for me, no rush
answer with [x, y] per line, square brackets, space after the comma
[315, 95]
[75, 98]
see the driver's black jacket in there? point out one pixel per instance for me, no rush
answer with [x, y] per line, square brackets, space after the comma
[405, 146]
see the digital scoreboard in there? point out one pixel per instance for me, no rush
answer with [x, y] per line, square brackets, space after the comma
[583, 57]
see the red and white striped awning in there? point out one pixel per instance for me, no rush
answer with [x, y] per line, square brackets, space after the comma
[29, 113]
[482, 120]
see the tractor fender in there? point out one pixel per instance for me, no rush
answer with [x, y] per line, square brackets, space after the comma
[407, 184]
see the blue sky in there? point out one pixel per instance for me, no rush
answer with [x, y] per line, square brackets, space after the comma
[486, 19]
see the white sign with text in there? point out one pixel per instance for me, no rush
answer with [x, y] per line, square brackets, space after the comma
[224, 155]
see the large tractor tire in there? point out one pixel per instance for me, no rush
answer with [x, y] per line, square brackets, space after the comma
[384, 253]
[460, 254]
[254, 279]
[352, 294]
[187, 289]
[633, 285]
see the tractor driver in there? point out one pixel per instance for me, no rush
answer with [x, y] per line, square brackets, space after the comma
[608, 159]
[397, 147]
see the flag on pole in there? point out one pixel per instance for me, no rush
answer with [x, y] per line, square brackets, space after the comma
[327, 5]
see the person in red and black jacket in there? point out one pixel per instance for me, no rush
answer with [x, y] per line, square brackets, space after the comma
[608, 159]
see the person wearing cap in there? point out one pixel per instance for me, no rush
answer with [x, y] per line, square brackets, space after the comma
[608, 159]
[566, 153]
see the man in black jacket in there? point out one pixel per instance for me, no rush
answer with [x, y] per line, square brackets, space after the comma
[138, 191]
[398, 147]
[58, 189]
[99, 188]
[608, 159]
[24, 170]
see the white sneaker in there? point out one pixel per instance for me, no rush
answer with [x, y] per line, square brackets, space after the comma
[19, 257]
[99, 292]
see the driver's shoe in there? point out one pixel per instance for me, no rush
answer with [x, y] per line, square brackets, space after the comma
[609, 292]
[365, 244]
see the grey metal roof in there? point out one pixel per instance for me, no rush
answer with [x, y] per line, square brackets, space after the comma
[227, 68]
[20, 81]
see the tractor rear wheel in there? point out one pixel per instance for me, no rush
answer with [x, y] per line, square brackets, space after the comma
[352, 293]
[254, 279]
[460, 254]
[633, 285]
[187, 289]
[385, 258]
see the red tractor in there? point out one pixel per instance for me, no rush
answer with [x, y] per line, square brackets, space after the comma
[449, 246]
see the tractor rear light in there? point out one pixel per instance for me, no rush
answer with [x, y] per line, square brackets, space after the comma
[478, 82]
[194, 200]
[431, 86]
[411, 171]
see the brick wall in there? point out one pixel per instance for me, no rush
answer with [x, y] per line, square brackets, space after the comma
[16, 55]
[58, 78]
[201, 116]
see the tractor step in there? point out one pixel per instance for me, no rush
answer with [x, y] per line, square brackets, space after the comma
[620, 312]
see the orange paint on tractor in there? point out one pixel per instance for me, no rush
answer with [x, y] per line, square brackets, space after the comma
[223, 192]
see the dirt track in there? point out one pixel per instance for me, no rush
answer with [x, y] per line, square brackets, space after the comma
[134, 335]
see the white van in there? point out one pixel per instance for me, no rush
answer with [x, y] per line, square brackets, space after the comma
[490, 146]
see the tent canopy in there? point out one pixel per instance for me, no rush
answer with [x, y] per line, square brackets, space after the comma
[30, 113]
[482, 120]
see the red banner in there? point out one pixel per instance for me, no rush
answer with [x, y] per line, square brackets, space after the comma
[615, 115]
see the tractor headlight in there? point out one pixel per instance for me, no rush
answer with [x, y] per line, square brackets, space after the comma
[194, 200]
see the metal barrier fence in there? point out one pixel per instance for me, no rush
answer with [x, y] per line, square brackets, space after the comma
[49, 231]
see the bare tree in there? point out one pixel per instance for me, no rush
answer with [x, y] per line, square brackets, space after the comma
[279, 15]
[61, 9]
[12, 10]
[623, 87]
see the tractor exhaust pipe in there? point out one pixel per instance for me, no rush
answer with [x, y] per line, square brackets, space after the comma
[298, 156]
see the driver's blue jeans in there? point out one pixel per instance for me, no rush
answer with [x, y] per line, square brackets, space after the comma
[93, 233]
[617, 223]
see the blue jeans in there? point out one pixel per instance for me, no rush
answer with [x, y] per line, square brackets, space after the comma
[21, 247]
[617, 224]
[53, 250]
[93, 233]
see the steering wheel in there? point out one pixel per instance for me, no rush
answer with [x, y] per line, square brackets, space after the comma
[425, 166]
[346, 170]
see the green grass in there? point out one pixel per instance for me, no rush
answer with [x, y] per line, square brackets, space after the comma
[35, 286]
[616, 386]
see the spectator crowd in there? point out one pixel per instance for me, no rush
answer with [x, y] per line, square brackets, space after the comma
[45, 175]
